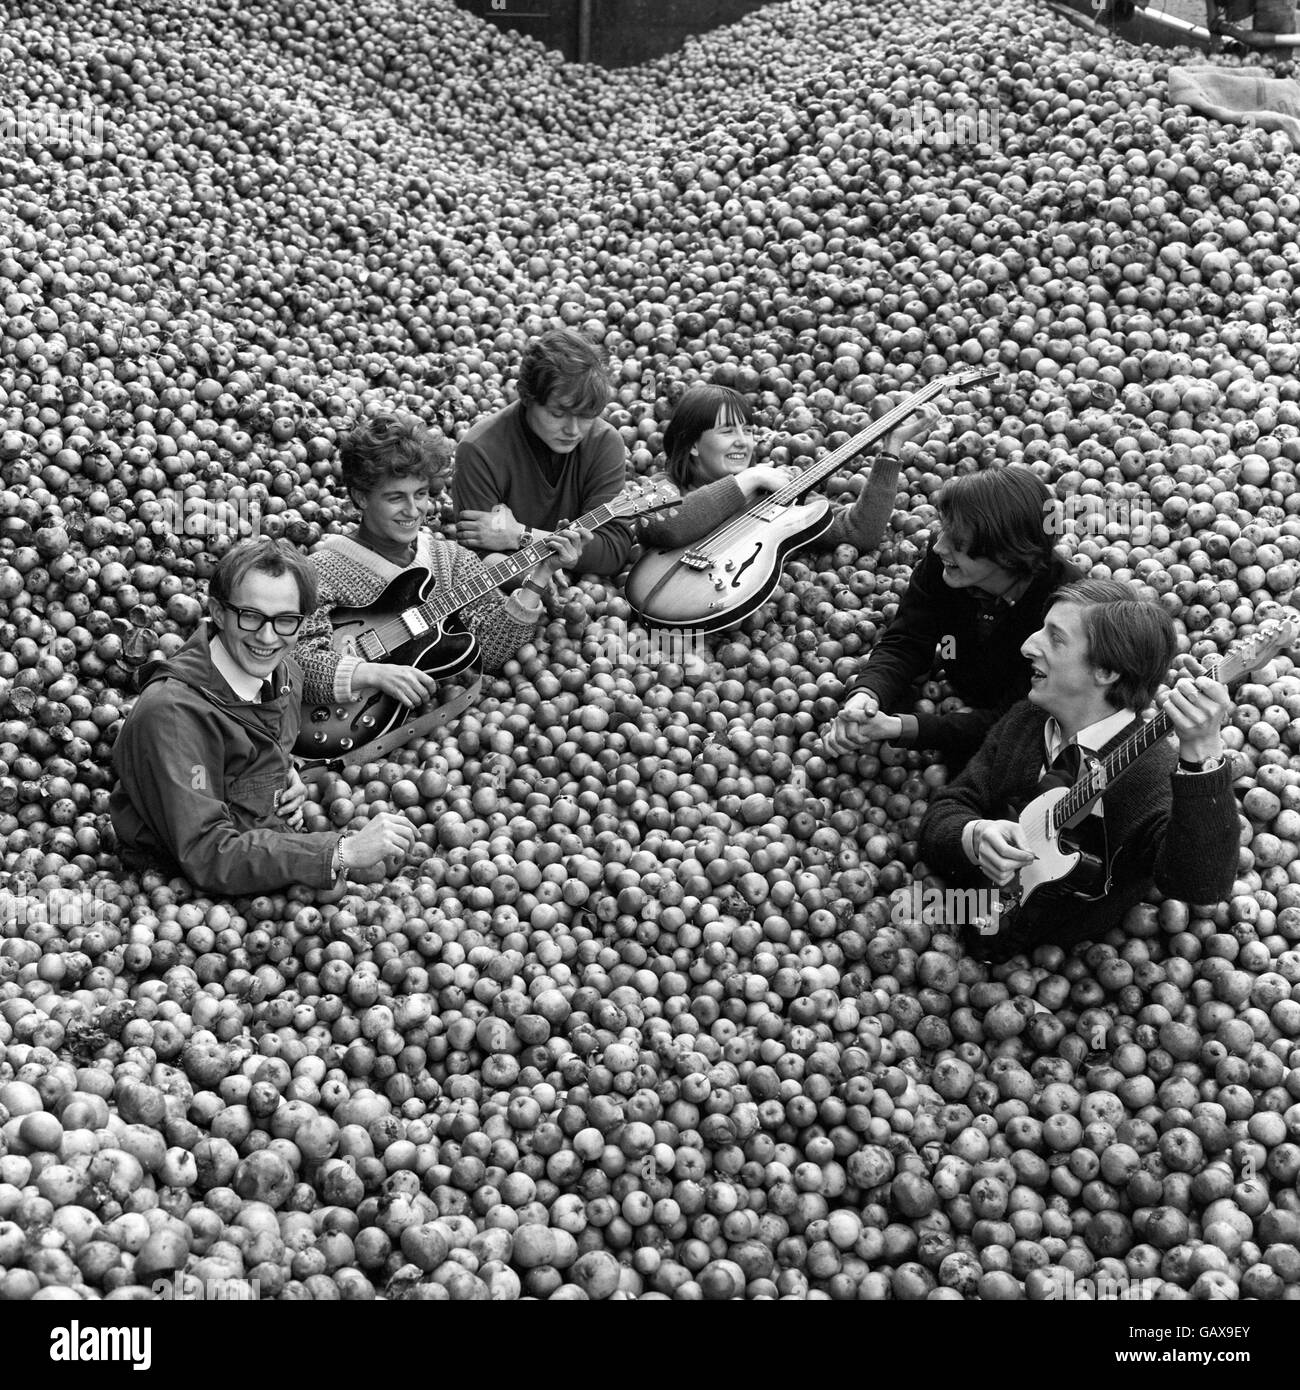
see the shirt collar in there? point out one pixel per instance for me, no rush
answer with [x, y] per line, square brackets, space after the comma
[1091, 739]
[248, 688]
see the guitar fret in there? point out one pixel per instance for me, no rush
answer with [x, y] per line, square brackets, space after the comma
[1146, 736]
[421, 618]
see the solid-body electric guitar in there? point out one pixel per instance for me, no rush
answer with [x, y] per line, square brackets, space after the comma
[715, 583]
[409, 626]
[1072, 859]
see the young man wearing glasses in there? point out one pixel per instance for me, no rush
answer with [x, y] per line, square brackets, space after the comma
[205, 783]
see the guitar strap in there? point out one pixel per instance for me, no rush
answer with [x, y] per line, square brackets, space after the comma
[407, 731]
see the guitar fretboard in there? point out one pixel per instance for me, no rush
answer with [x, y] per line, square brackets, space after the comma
[766, 507]
[1088, 788]
[424, 616]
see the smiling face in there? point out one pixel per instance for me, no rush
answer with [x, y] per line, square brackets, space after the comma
[1063, 680]
[723, 450]
[558, 425]
[961, 570]
[258, 653]
[395, 510]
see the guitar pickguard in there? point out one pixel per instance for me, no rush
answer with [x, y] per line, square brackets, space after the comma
[1082, 858]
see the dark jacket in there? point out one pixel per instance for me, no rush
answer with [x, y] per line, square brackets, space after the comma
[1176, 831]
[939, 628]
[198, 772]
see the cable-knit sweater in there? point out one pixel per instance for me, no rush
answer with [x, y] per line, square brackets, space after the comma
[351, 575]
[1176, 830]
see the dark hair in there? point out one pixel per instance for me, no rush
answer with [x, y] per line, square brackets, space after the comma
[391, 445]
[1124, 634]
[565, 369]
[273, 557]
[999, 514]
[696, 412]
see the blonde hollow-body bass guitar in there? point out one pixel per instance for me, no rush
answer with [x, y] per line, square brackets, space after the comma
[717, 582]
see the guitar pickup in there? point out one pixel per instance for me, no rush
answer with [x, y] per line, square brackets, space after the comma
[369, 646]
[415, 624]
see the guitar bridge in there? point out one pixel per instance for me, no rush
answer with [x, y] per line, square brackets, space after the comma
[696, 560]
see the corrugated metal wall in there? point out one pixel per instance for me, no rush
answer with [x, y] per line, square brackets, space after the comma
[613, 33]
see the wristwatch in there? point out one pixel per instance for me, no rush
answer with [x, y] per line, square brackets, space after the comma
[539, 589]
[1206, 765]
[527, 537]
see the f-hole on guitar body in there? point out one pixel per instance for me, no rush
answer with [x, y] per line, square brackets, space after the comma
[441, 650]
[725, 581]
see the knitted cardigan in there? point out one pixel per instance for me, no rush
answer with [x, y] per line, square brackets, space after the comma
[1178, 831]
[702, 511]
[351, 575]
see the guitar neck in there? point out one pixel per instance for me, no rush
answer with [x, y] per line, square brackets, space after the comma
[494, 576]
[1122, 756]
[824, 467]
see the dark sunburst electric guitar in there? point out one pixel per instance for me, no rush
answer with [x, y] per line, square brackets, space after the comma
[410, 626]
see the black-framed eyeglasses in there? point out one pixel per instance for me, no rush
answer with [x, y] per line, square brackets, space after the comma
[253, 620]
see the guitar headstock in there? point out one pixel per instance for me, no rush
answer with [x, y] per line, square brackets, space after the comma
[971, 376]
[1273, 637]
[643, 496]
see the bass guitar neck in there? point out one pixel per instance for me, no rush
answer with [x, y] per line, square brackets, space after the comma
[719, 581]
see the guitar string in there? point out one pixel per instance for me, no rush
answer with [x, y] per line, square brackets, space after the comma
[1134, 745]
[812, 475]
[396, 631]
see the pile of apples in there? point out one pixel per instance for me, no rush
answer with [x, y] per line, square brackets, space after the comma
[646, 1014]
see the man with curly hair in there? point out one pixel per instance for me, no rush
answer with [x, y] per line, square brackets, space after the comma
[390, 465]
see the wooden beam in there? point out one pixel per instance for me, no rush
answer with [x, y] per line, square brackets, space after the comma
[585, 8]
